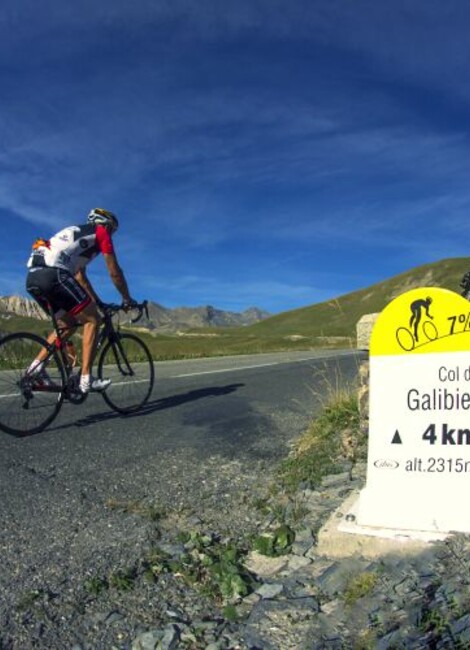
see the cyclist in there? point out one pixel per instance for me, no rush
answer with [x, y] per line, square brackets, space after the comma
[416, 313]
[57, 281]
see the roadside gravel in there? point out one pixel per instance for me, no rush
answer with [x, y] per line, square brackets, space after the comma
[62, 590]
[90, 589]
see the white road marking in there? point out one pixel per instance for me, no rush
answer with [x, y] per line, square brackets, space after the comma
[259, 365]
[214, 372]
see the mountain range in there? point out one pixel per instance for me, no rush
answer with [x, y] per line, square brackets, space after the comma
[160, 318]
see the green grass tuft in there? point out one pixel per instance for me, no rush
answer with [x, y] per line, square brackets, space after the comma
[359, 586]
[320, 451]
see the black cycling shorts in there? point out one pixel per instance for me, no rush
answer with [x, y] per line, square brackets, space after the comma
[56, 289]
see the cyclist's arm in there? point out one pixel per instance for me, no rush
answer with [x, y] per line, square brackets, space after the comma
[117, 276]
[83, 280]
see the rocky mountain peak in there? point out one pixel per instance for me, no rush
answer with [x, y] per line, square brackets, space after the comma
[20, 306]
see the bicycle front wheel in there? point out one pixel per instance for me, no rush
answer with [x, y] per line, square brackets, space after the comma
[28, 402]
[127, 361]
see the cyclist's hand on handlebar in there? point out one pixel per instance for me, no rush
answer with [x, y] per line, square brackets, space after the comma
[140, 307]
[127, 305]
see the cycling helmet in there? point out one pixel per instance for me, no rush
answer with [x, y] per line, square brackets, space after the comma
[99, 216]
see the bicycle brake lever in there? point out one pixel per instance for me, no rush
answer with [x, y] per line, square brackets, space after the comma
[139, 315]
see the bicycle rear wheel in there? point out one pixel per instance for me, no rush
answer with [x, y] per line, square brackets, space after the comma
[127, 361]
[28, 403]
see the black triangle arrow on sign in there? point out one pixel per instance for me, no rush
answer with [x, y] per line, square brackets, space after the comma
[396, 439]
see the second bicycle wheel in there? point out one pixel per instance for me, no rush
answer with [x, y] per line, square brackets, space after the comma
[28, 402]
[128, 363]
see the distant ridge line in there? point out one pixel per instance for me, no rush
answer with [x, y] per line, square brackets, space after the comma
[161, 318]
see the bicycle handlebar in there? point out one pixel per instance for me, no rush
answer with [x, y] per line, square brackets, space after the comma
[112, 308]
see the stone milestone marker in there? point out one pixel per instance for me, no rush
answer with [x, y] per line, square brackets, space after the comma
[418, 468]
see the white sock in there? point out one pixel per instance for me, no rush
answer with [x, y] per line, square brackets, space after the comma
[84, 380]
[36, 365]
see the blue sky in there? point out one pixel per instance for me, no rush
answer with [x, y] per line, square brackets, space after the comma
[274, 153]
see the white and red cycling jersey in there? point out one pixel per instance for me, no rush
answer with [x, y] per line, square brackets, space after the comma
[72, 248]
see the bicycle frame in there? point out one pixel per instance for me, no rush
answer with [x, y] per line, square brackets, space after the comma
[107, 332]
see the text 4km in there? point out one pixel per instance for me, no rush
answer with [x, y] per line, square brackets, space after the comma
[446, 435]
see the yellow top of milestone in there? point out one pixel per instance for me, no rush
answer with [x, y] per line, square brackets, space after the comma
[422, 321]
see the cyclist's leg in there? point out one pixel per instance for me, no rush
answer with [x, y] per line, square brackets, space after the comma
[91, 320]
[417, 322]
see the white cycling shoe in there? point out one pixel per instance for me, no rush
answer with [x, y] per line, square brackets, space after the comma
[91, 385]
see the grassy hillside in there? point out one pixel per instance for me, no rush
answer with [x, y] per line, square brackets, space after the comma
[339, 317]
[23, 324]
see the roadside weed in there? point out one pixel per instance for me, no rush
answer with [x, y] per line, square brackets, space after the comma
[96, 585]
[213, 567]
[123, 580]
[359, 586]
[320, 451]
[151, 512]
[276, 542]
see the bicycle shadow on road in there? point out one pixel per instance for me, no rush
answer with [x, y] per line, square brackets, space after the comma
[157, 405]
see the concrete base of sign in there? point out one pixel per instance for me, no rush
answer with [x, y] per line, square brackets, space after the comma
[341, 536]
[434, 510]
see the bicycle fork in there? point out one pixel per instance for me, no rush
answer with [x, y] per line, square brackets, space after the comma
[121, 359]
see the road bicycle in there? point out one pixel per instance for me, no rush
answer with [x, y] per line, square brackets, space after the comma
[407, 341]
[30, 401]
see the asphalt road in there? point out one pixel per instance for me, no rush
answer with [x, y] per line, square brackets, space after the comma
[237, 408]
[210, 424]
[219, 405]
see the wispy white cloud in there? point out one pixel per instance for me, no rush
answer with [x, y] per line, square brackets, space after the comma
[235, 295]
[221, 136]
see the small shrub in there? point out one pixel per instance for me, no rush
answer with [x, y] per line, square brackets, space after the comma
[230, 612]
[95, 585]
[434, 621]
[215, 568]
[155, 564]
[30, 598]
[359, 586]
[123, 580]
[276, 542]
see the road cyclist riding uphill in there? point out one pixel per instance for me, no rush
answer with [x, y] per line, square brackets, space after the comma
[57, 280]
[36, 374]
[30, 401]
